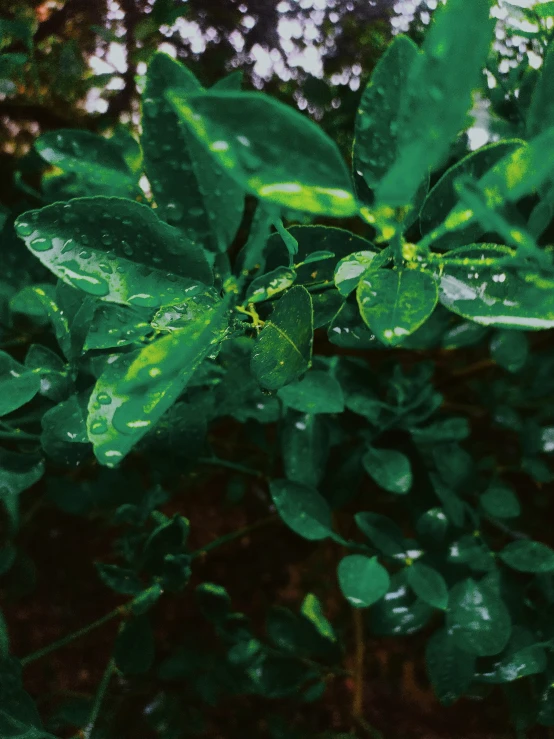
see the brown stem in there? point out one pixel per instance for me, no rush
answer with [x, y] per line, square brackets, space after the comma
[359, 654]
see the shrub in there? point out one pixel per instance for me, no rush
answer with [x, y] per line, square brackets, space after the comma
[375, 380]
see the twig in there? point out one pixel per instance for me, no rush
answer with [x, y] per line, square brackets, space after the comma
[100, 695]
[217, 462]
[234, 535]
[359, 654]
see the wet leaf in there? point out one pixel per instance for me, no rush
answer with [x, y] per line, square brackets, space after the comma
[186, 181]
[399, 612]
[302, 508]
[428, 584]
[120, 579]
[132, 258]
[443, 197]
[136, 389]
[528, 556]
[390, 469]
[116, 325]
[270, 284]
[283, 350]
[378, 120]
[351, 269]
[97, 164]
[394, 303]
[271, 150]
[477, 618]
[363, 580]
[498, 295]
[517, 174]
[439, 95]
[18, 385]
[317, 392]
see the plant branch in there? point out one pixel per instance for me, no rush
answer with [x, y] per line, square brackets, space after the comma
[99, 699]
[216, 462]
[359, 654]
[234, 535]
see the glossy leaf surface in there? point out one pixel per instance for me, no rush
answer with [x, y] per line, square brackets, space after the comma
[135, 390]
[283, 351]
[528, 556]
[186, 181]
[428, 584]
[395, 303]
[271, 150]
[390, 469]
[132, 258]
[362, 580]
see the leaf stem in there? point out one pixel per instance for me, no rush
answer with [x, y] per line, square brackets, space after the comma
[234, 535]
[217, 462]
[119, 611]
[99, 699]
[358, 705]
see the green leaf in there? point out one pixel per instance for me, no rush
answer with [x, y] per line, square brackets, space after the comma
[116, 325]
[136, 389]
[315, 240]
[305, 447]
[509, 349]
[186, 181]
[350, 270]
[390, 469]
[498, 295]
[312, 610]
[439, 94]
[272, 283]
[283, 351]
[271, 150]
[302, 508]
[500, 501]
[317, 392]
[428, 584]
[477, 618]
[443, 197]
[363, 580]
[348, 330]
[97, 163]
[134, 646]
[382, 533]
[450, 669]
[519, 173]
[120, 579]
[377, 129]
[18, 385]
[64, 430]
[529, 660]
[40, 300]
[528, 556]
[394, 303]
[17, 473]
[214, 602]
[131, 258]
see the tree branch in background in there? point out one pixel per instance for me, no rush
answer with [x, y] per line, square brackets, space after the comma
[122, 100]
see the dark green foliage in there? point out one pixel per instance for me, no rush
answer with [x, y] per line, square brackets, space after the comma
[379, 388]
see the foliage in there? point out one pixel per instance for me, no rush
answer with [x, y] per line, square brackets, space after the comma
[378, 335]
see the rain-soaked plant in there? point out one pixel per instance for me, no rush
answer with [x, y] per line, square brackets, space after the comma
[386, 369]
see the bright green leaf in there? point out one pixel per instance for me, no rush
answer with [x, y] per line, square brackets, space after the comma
[363, 580]
[450, 669]
[115, 249]
[394, 303]
[317, 392]
[271, 150]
